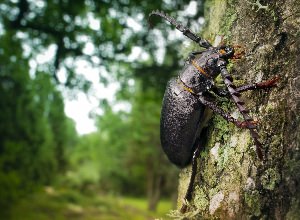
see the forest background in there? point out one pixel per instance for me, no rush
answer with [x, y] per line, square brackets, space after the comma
[47, 52]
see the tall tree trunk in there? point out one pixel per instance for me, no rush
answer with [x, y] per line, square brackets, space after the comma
[154, 191]
[154, 185]
[231, 182]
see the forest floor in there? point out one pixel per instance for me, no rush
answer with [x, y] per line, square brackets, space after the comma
[69, 204]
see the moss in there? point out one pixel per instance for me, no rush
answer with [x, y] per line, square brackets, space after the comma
[252, 200]
[238, 146]
[216, 10]
[258, 5]
[270, 178]
[294, 211]
[273, 129]
[227, 25]
[220, 132]
[201, 201]
[184, 177]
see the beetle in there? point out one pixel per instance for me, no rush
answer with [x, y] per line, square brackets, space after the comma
[188, 96]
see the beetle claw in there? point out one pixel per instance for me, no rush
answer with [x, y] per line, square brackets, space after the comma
[247, 124]
[184, 206]
[269, 83]
[239, 52]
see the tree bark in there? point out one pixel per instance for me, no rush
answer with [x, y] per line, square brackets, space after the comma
[231, 182]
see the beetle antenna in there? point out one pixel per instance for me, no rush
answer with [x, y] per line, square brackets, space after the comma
[251, 125]
[186, 31]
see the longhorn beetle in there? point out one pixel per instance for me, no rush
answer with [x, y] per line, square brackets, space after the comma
[187, 96]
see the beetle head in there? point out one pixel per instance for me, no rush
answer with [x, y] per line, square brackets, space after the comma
[226, 52]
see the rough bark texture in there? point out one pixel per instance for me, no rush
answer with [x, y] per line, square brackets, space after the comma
[231, 182]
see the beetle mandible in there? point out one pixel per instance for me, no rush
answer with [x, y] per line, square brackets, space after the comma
[187, 96]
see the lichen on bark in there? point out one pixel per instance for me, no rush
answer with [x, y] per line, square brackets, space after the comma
[231, 182]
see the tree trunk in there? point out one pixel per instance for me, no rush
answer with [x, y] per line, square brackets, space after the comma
[153, 191]
[155, 180]
[231, 182]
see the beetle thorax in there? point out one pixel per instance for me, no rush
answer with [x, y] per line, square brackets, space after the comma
[199, 73]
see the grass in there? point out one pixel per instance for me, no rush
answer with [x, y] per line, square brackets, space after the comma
[69, 204]
[163, 208]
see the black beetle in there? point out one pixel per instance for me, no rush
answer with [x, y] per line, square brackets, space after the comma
[188, 95]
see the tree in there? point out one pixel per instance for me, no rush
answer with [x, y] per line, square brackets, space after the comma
[34, 130]
[99, 32]
[232, 183]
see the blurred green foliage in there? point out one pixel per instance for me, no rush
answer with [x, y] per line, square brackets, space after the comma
[38, 143]
[34, 130]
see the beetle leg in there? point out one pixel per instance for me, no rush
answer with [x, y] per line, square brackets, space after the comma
[188, 195]
[213, 106]
[262, 85]
[254, 86]
[240, 105]
[248, 123]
